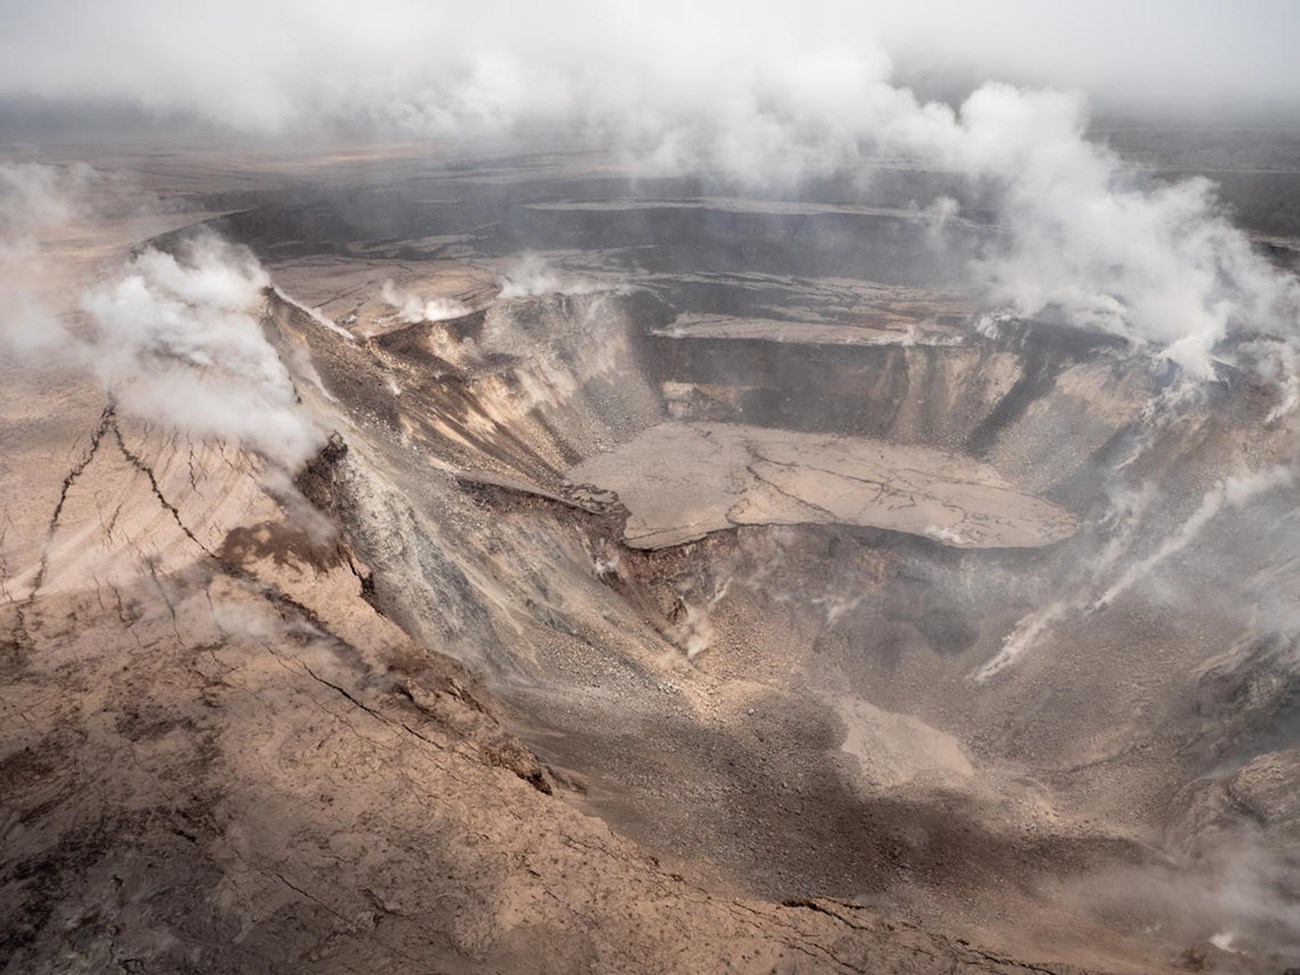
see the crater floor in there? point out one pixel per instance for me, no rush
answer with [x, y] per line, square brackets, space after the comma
[681, 481]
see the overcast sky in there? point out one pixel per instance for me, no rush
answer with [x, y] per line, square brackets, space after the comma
[1148, 53]
[270, 66]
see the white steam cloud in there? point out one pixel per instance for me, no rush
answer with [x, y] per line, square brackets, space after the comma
[33, 199]
[1116, 568]
[179, 341]
[1234, 492]
[1158, 265]
[174, 339]
[532, 274]
[412, 308]
[767, 97]
[1236, 892]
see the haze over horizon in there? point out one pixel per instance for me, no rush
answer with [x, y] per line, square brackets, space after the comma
[405, 69]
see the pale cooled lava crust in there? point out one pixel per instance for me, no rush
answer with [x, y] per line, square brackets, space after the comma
[710, 599]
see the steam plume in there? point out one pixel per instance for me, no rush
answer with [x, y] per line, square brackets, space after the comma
[178, 340]
[531, 274]
[33, 199]
[175, 339]
[413, 308]
[784, 98]
[1235, 492]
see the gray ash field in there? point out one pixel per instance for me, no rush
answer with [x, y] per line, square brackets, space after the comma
[645, 574]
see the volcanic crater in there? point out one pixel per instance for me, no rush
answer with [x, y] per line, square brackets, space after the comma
[737, 523]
